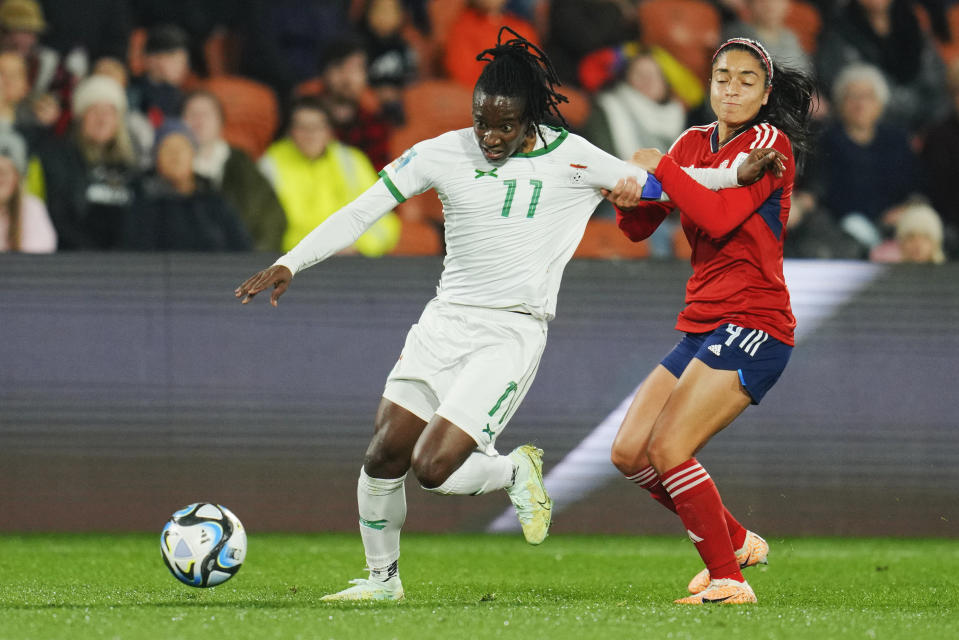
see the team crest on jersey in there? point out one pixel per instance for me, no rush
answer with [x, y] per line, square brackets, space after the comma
[577, 176]
[403, 160]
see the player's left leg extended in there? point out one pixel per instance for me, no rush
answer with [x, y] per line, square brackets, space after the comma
[446, 461]
[704, 402]
[457, 453]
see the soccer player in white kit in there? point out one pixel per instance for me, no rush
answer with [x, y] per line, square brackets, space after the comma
[516, 195]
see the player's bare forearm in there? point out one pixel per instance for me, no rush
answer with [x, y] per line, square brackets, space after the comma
[277, 276]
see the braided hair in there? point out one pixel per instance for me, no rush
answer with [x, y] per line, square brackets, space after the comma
[789, 107]
[517, 68]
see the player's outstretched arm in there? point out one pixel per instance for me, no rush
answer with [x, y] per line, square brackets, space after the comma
[277, 276]
[756, 164]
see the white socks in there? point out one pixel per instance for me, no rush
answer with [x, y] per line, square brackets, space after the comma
[382, 507]
[479, 474]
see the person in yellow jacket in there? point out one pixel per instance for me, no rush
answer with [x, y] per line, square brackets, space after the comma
[314, 175]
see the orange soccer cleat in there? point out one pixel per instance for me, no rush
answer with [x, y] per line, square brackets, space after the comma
[722, 591]
[753, 551]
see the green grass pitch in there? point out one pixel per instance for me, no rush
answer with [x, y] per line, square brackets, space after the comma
[477, 586]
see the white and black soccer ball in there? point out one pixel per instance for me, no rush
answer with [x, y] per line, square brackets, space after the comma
[203, 545]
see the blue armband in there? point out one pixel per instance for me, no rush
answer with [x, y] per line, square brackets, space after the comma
[653, 189]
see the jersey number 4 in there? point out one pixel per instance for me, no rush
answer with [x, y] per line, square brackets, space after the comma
[511, 191]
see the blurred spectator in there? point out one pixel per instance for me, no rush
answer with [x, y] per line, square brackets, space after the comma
[638, 111]
[767, 23]
[89, 176]
[24, 223]
[14, 89]
[811, 232]
[232, 173]
[918, 237]
[940, 157]
[886, 34]
[863, 168]
[139, 126]
[610, 23]
[314, 175]
[159, 93]
[392, 62]
[89, 29]
[356, 118]
[476, 29]
[175, 209]
[602, 67]
[283, 40]
[50, 79]
[197, 19]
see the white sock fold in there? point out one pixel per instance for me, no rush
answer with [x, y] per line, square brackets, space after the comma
[382, 509]
[478, 474]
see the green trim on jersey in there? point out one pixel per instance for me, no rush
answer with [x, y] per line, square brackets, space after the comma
[563, 134]
[392, 187]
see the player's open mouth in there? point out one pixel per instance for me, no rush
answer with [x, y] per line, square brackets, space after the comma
[493, 154]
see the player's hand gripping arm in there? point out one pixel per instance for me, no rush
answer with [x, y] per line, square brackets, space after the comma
[640, 223]
[751, 169]
[715, 212]
[337, 232]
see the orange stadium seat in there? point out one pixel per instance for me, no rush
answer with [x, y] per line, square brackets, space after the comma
[135, 48]
[604, 240]
[418, 238]
[688, 29]
[950, 50]
[804, 20]
[440, 104]
[442, 14]
[252, 113]
[221, 52]
[577, 110]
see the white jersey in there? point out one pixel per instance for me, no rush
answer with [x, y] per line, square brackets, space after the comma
[510, 226]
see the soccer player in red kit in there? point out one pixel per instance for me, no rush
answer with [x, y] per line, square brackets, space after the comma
[737, 321]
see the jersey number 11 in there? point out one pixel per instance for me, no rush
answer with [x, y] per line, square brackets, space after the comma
[511, 191]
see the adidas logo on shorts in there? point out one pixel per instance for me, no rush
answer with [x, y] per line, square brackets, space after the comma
[716, 348]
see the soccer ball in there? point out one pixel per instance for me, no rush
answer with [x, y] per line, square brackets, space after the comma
[203, 545]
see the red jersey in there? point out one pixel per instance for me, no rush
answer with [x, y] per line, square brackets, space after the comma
[736, 234]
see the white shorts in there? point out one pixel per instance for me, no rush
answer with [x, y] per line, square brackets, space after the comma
[470, 365]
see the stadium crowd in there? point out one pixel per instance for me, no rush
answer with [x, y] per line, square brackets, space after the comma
[230, 125]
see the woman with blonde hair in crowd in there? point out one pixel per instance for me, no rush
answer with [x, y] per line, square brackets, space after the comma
[24, 223]
[89, 176]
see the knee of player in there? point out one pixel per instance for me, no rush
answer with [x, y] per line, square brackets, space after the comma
[431, 471]
[624, 459]
[383, 462]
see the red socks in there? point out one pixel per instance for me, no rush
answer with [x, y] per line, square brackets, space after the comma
[648, 479]
[699, 506]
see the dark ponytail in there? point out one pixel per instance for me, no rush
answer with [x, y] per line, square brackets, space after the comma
[789, 109]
